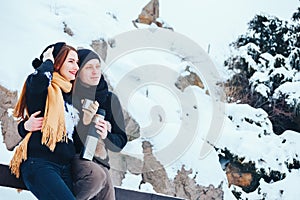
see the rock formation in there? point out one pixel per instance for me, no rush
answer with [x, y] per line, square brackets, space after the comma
[149, 13]
[8, 99]
[191, 79]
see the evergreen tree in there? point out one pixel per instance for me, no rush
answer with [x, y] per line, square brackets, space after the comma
[266, 69]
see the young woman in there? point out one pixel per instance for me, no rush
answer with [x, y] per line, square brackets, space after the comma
[43, 158]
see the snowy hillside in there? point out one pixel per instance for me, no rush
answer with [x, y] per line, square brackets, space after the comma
[244, 131]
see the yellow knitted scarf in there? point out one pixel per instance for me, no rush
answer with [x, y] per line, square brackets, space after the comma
[53, 128]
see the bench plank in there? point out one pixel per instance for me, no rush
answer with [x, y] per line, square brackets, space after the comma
[9, 180]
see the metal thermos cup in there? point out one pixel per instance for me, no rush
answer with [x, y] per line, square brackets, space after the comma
[92, 137]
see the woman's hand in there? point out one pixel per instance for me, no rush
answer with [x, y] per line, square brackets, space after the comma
[103, 127]
[34, 123]
[48, 55]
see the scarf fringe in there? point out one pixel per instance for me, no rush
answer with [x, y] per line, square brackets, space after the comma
[50, 139]
[19, 156]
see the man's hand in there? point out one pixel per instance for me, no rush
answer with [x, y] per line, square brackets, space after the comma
[89, 112]
[34, 123]
[103, 127]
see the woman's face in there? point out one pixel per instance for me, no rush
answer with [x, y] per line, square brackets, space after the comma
[70, 67]
[90, 74]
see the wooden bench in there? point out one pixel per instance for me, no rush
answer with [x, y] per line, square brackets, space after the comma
[9, 180]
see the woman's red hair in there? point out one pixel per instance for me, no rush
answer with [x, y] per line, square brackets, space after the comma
[20, 110]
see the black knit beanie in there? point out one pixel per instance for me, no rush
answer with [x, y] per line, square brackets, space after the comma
[57, 47]
[85, 55]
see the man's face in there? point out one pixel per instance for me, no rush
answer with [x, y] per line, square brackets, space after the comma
[90, 74]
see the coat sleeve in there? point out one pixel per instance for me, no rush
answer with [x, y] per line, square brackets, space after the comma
[117, 138]
[21, 129]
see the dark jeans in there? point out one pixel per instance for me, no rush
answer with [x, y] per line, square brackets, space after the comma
[47, 180]
[91, 180]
